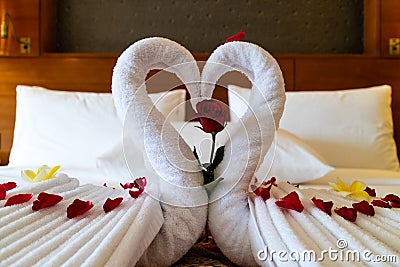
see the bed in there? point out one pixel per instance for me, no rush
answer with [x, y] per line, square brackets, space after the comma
[323, 135]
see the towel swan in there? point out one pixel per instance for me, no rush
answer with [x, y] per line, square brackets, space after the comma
[184, 210]
[229, 211]
[243, 225]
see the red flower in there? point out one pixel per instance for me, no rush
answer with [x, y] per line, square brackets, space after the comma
[380, 203]
[290, 201]
[364, 207]
[111, 204]
[78, 207]
[263, 192]
[136, 192]
[211, 115]
[237, 37]
[18, 199]
[325, 206]
[9, 185]
[349, 214]
[46, 200]
[370, 191]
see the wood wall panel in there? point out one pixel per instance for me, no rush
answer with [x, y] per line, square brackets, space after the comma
[390, 25]
[25, 14]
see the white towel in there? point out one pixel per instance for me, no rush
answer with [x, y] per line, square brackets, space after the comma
[167, 156]
[248, 142]
[314, 230]
[48, 238]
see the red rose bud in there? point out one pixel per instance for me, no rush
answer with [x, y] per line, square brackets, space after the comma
[3, 192]
[370, 191]
[364, 207]
[380, 203]
[272, 181]
[18, 199]
[290, 201]
[237, 37]
[9, 185]
[211, 115]
[45, 200]
[325, 206]
[111, 204]
[78, 207]
[349, 214]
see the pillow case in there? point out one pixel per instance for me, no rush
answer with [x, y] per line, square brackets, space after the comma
[349, 128]
[72, 128]
[289, 158]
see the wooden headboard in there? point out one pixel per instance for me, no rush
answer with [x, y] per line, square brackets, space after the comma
[92, 72]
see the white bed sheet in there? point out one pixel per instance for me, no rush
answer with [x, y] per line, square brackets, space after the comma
[383, 181]
[85, 175]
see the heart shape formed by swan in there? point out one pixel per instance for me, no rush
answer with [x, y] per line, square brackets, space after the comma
[183, 199]
[169, 156]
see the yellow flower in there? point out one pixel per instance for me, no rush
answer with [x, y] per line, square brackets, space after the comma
[355, 190]
[43, 173]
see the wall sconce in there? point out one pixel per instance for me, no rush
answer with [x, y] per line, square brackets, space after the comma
[24, 42]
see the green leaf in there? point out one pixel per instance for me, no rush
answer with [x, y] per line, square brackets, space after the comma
[219, 156]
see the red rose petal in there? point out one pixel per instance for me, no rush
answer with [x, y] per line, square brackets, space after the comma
[370, 191]
[140, 182]
[237, 37]
[263, 192]
[291, 201]
[391, 198]
[272, 181]
[380, 203]
[127, 185]
[111, 204]
[78, 207]
[18, 199]
[349, 214]
[9, 185]
[364, 207]
[3, 192]
[136, 192]
[325, 206]
[46, 200]
[395, 205]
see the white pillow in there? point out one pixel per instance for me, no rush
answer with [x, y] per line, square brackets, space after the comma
[350, 128]
[72, 128]
[293, 160]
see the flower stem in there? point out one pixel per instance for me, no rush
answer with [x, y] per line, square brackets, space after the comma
[213, 134]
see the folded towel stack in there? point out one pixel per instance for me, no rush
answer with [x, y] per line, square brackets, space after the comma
[357, 243]
[48, 238]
